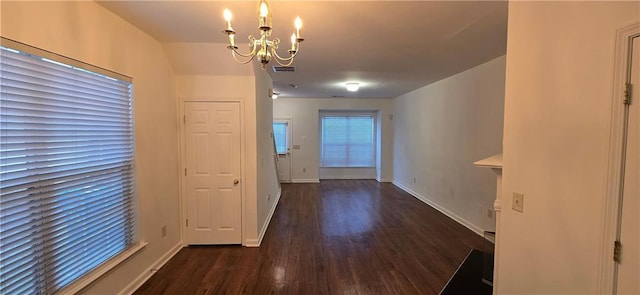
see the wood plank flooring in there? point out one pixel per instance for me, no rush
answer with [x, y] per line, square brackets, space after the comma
[335, 237]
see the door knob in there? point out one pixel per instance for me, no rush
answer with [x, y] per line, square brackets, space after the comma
[236, 181]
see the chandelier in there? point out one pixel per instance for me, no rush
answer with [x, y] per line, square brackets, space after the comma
[263, 48]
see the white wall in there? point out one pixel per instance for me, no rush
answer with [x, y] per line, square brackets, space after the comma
[268, 188]
[556, 133]
[303, 112]
[242, 89]
[440, 130]
[87, 32]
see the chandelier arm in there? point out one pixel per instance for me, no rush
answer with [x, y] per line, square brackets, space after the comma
[251, 57]
[284, 59]
[250, 54]
[282, 63]
[281, 58]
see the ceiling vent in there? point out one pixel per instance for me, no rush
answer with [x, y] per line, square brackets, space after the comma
[278, 69]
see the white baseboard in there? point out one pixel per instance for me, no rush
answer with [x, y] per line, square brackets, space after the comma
[147, 273]
[347, 177]
[442, 210]
[252, 243]
[384, 180]
[315, 180]
[258, 241]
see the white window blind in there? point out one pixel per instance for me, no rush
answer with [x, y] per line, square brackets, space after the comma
[347, 141]
[280, 136]
[66, 171]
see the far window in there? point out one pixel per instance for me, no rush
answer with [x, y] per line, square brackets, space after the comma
[280, 137]
[347, 141]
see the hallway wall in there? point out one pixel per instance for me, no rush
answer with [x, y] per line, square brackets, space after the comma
[440, 130]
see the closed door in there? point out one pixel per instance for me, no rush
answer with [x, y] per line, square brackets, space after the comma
[213, 191]
[629, 266]
[282, 137]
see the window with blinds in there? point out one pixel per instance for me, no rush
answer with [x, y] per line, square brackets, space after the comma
[66, 170]
[347, 141]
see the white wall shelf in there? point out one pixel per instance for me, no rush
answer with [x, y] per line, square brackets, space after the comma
[494, 162]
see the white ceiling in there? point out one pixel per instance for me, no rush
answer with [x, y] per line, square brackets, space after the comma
[391, 47]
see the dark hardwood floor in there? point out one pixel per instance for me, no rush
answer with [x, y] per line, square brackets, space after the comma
[335, 237]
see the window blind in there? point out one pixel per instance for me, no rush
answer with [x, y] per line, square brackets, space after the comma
[66, 171]
[280, 136]
[347, 141]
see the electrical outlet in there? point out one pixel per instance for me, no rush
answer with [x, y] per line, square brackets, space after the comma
[164, 231]
[518, 202]
[304, 170]
[490, 213]
[268, 197]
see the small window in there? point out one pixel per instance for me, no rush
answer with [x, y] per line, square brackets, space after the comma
[66, 163]
[280, 136]
[347, 141]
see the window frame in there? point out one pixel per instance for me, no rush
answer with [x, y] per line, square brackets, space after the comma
[136, 244]
[374, 117]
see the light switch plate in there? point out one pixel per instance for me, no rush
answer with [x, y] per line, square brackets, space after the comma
[518, 202]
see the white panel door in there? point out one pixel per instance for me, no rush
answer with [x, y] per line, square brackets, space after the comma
[284, 167]
[629, 266]
[213, 191]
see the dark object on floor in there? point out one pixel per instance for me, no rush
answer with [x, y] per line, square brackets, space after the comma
[468, 278]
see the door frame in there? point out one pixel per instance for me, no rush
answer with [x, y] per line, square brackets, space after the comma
[608, 268]
[183, 163]
[289, 140]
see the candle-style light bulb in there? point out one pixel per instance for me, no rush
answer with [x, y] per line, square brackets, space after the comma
[227, 14]
[231, 40]
[265, 22]
[264, 10]
[298, 24]
[227, 17]
[293, 42]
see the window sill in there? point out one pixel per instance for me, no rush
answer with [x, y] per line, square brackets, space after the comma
[104, 268]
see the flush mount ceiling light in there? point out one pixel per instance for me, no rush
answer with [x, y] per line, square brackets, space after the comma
[353, 86]
[263, 48]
